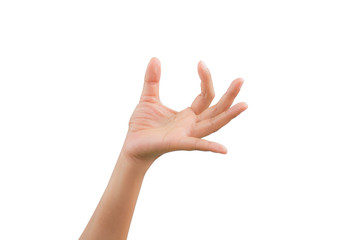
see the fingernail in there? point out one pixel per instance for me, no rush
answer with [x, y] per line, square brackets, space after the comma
[204, 65]
[223, 149]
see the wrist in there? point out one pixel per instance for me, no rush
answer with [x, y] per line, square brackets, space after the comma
[133, 163]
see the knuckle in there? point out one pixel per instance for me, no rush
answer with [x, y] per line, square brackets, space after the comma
[216, 129]
[216, 109]
[196, 145]
[149, 99]
[211, 95]
[212, 123]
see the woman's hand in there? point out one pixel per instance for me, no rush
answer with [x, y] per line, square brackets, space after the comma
[155, 129]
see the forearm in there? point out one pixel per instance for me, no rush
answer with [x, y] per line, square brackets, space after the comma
[112, 217]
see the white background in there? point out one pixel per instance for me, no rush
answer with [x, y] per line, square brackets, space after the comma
[71, 73]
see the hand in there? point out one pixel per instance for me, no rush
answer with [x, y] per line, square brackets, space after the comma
[155, 129]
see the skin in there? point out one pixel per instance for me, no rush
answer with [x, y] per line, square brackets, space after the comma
[155, 129]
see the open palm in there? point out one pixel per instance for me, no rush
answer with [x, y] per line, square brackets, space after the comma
[155, 129]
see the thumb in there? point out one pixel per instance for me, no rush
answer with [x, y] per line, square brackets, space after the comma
[152, 78]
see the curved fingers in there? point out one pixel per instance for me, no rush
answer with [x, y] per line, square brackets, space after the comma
[211, 125]
[225, 102]
[204, 99]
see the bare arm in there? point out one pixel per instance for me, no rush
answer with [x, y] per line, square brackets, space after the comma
[112, 217]
[155, 129]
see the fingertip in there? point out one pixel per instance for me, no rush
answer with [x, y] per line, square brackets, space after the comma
[153, 70]
[225, 150]
[235, 86]
[241, 106]
[221, 149]
[154, 64]
[155, 59]
[238, 81]
[237, 109]
[202, 64]
[245, 105]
